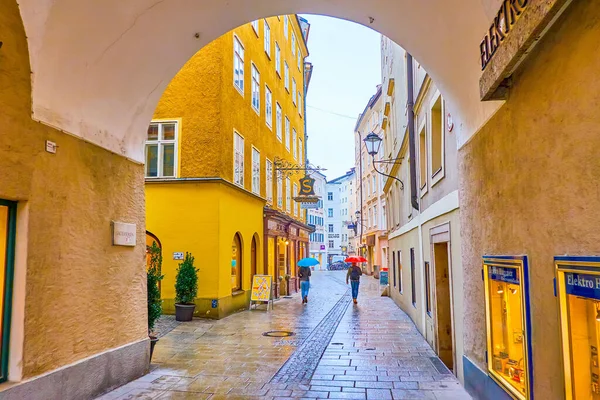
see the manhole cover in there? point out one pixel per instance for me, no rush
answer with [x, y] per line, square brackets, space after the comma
[278, 333]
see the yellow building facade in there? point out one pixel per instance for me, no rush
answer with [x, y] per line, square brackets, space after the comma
[225, 125]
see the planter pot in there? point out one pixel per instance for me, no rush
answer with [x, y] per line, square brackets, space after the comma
[153, 341]
[184, 312]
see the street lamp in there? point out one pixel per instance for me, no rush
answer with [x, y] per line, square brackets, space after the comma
[373, 144]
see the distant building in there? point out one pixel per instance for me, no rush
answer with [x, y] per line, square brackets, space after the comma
[337, 214]
[316, 218]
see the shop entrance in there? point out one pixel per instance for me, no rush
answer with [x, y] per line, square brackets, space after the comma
[441, 279]
[8, 211]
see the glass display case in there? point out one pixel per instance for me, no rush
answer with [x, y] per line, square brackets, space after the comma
[578, 281]
[508, 323]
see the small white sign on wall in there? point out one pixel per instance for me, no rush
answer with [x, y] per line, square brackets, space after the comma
[124, 234]
[177, 256]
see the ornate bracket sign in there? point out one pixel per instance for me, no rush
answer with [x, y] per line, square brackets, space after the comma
[307, 186]
[517, 27]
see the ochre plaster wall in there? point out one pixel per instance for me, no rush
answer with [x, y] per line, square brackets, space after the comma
[529, 182]
[83, 296]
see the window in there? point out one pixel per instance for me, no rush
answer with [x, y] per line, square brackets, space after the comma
[268, 107]
[287, 133]
[427, 289]
[293, 44]
[300, 152]
[277, 59]
[279, 190]
[294, 144]
[437, 137]
[296, 205]
[375, 216]
[394, 272]
[255, 171]
[299, 59]
[269, 180]
[374, 183]
[330, 228]
[413, 285]
[370, 218]
[330, 244]
[383, 218]
[255, 89]
[267, 38]
[285, 26]
[299, 103]
[238, 64]
[399, 256]
[288, 195]
[238, 159]
[161, 150]
[286, 76]
[294, 91]
[423, 158]
[330, 196]
[330, 212]
[278, 122]
[236, 263]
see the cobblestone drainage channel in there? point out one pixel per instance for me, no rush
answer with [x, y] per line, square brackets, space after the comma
[278, 333]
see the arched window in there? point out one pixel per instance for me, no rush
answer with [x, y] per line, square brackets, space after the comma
[236, 263]
[253, 258]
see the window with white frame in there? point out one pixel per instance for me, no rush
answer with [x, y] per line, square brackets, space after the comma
[285, 26]
[277, 59]
[238, 159]
[267, 39]
[375, 216]
[269, 180]
[255, 89]
[299, 103]
[255, 26]
[330, 244]
[293, 44]
[330, 228]
[238, 64]
[268, 107]
[294, 144]
[330, 212]
[279, 127]
[286, 76]
[287, 133]
[288, 195]
[374, 178]
[296, 205]
[294, 91]
[279, 190]
[161, 149]
[299, 59]
[255, 171]
[300, 152]
[330, 196]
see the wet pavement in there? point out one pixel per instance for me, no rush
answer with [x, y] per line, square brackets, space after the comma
[339, 351]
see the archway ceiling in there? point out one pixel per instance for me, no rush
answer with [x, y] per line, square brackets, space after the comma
[99, 67]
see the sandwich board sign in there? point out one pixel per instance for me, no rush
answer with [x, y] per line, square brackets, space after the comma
[262, 290]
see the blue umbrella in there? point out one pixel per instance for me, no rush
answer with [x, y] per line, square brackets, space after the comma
[308, 262]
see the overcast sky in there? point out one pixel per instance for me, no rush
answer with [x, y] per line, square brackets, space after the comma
[346, 61]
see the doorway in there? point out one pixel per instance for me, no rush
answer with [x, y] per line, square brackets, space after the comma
[441, 282]
[8, 212]
[252, 259]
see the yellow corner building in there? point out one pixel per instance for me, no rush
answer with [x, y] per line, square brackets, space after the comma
[229, 118]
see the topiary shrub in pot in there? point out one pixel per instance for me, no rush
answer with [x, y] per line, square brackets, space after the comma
[186, 289]
[153, 277]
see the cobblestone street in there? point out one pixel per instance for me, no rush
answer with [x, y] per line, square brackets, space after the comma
[339, 351]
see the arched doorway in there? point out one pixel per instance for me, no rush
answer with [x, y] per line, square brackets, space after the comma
[154, 253]
[236, 263]
[253, 261]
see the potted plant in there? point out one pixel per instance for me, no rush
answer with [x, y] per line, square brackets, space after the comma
[153, 277]
[186, 289]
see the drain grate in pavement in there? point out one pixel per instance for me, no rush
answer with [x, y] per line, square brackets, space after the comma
[287, 297]
[278, 333]
[301, 365]
[440, 366]
[337, 344]
[370, 348]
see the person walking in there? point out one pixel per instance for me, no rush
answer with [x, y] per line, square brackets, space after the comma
[354, 273]
[304, 274]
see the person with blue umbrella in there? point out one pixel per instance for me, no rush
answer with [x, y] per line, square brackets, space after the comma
[304, 273]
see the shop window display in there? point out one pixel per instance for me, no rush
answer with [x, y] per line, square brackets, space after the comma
[578, 281]
[507, 312]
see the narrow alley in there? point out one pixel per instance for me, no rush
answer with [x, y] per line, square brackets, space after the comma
[369, 351]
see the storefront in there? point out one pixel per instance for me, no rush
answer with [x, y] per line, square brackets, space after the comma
[287, 242]
[578, 281]
[508, 324]
[8, 211]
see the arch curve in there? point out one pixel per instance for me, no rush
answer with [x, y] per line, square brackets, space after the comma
[99, 67]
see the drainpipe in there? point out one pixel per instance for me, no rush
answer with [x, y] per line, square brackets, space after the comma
[410, 104]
